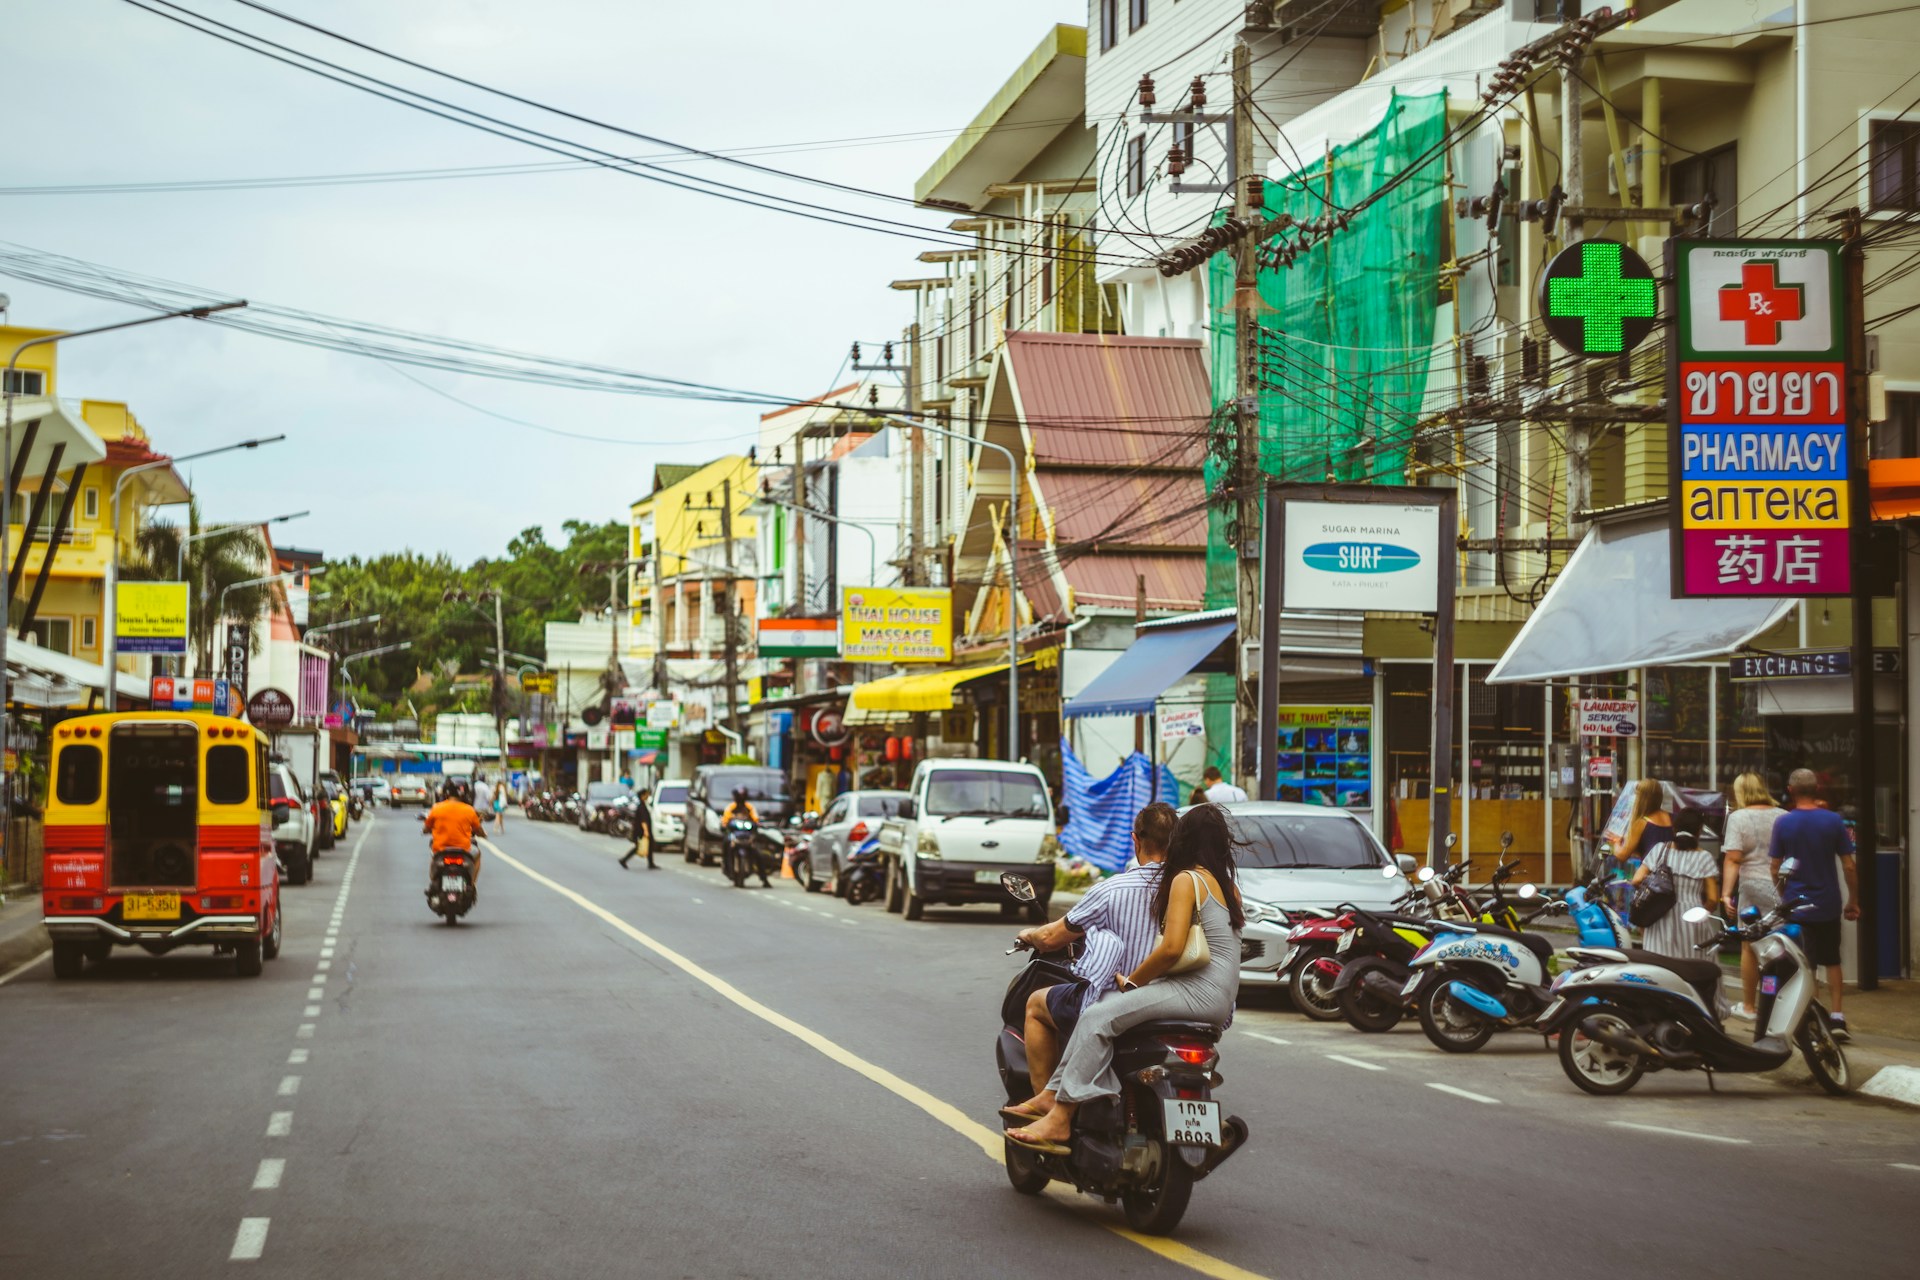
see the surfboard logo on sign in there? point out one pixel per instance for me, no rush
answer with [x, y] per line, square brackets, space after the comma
[1359, 557]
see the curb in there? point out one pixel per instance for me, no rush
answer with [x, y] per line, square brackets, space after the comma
[1894, 1084]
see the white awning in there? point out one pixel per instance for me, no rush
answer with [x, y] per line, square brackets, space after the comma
[49, 678]
[60, 423]
[1612, 608]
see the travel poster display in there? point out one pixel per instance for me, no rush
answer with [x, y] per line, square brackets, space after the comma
[1326, 756]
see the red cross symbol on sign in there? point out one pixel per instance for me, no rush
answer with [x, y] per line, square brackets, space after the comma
[1761, 303]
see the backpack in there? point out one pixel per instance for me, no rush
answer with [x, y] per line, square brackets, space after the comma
[1653, 897]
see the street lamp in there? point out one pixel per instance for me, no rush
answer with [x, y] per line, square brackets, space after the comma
[1013, 574]
[873, 543]
[342, 625]
[7, 392]
[286, 576]
[352, 658]
[483, 596]
[180, 557]
[110, 598]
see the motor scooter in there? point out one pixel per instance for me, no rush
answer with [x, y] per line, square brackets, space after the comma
[742, 854]
[1146, 1147]
[451, 891]
[864, 878]
[1618, 1021]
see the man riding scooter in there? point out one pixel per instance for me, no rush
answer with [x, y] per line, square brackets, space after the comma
[455, 824]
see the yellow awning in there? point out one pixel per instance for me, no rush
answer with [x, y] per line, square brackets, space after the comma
[922, 691]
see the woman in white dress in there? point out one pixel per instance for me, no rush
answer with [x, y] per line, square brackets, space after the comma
[1746, 879]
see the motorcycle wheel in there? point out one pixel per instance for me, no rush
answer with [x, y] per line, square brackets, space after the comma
[1365, 1011]
[1024, 1171]
[1825, 1058]
[1312, 994]
[1156, 1209]
[1595, 1067]
[1447, 1032]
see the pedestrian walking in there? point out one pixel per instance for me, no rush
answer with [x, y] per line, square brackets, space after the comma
[500, 809]
[642, 831]
[1696, 883]
[1746, 874]
[1649, 827]
[1818, 843]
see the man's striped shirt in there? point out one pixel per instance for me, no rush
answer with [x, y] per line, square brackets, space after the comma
[1116, 915]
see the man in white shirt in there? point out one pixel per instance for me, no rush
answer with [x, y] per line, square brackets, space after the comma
[1219, 790]
[483, 797]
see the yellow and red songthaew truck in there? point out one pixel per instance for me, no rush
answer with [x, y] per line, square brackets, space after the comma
[158, 835]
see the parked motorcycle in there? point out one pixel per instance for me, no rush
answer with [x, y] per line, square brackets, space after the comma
[743, 853]
[1616, 1022]
[1147, 1147]
[864, 877]
[617, 820]
[356, 806]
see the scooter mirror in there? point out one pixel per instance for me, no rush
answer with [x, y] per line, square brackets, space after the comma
[1426, 874]
[1506, 841]
[1527, 891]
[1406, 863]
[1453, 838]
[1018, 886]
[1695, 915]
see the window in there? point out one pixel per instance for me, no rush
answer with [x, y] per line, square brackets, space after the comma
[1109, 23]
[26, 382]
[227, 769]
[1715, 174]
[90, 502]
[1332, 843]
[77, 781]
[53, 633]
[1894, 164]
[88, 638]
[1183, 138]
[996, 793]
[1136, 164]
[1136, 14]
[1899, 435]
[880, 806]
[835, 812]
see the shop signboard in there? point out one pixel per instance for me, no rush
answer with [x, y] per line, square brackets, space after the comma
[663, 715]
[1600, 768]
[1598, 299]
[239, 652]
[828, 726]
[896, 624]
[1609, 718]
[1362, 555]
[150, 617]
[1807, 664]
[597, 737]
[1180, 723]
[649, 739]
[1326, 755]
[268, 709]
[1758, 420]
[541, 682]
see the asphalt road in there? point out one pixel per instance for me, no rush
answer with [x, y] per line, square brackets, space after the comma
[623, 1072]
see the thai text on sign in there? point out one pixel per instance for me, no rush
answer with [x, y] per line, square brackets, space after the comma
[1759, 447]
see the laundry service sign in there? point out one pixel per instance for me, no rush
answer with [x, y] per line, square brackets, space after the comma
[1355, 555]
[1758, 420]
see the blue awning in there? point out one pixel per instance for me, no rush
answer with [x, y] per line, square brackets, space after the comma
[1159, 657]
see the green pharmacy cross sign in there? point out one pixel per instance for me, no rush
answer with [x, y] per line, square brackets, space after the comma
[1599, 298]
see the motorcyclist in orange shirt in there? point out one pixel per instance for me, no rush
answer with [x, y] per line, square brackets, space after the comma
[455, 824]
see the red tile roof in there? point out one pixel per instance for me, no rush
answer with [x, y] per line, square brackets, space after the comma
[1095, 399]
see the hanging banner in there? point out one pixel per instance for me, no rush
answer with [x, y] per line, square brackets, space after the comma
[150, 617]
[1608, 718]
[896, 624]
[1757, 416]
[1180, 723]
[1362, 555]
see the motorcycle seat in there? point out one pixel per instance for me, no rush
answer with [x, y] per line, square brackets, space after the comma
[1702, 975]
[1205, 1030]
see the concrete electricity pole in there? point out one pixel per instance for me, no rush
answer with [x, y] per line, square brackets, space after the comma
[1247, 486]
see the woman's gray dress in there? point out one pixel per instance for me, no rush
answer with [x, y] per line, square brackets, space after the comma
[1204, 995]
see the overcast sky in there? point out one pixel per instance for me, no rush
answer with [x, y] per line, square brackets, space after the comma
[590, 264]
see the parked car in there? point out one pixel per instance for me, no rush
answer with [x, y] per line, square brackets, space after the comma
[669, 809]
[711, 791]
[845, 826]
[596, 807]
[373, 789]
[963, 823]
[296, 837]
[336, 795]
[411, 788]
[1297, 860]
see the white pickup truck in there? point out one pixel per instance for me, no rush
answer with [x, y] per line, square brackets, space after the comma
[964, 822]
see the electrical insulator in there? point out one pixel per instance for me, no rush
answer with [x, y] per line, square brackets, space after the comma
[886, 353]
[856, 353]
[1146, 93]
[873, 396]
[1256, 193]
[1176, 160]
[1198, 93]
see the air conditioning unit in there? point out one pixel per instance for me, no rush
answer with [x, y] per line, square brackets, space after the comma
[1633, 156]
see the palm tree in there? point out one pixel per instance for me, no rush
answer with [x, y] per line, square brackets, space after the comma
[213, 563]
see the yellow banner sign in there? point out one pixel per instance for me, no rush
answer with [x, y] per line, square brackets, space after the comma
[1767, 504]
[896, 624]
[151, 617]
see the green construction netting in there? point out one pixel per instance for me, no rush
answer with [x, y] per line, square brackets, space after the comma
[1344, 345]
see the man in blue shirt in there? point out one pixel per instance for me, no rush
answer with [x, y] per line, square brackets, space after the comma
[1820, 846]
[1115, 917]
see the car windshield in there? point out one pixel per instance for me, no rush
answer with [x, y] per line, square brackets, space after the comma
[761, 785]
[880, 806]
[1335, 842]
[671, 793]
[985, 792]
[606, 790]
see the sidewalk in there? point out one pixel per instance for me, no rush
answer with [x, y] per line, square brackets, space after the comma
[21, 935]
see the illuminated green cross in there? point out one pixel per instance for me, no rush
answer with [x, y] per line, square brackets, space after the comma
[1600, 297]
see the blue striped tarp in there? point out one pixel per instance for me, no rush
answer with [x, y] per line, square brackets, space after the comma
[1100, 813]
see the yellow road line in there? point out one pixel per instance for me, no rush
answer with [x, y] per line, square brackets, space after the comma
[989, 1141]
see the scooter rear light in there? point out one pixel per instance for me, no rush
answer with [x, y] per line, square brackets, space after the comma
[1196, 1053]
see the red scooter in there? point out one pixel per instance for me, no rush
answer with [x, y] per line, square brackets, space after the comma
[1315, 961]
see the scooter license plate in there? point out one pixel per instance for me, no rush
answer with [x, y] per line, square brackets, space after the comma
[1412, 982]
[1346, 941]
[1192, 1124]
[452, 884]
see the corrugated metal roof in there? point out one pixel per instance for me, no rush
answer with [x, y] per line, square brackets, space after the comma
[1153, 507]
[1108, 581]
[1095, 399]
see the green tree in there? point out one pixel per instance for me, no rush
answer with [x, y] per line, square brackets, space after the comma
[214, 562]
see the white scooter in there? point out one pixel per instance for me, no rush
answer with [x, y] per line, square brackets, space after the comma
[1618, 1021]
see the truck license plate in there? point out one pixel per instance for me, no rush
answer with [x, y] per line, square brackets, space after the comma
[1192, 1124]
[986, 877]
[150, 906]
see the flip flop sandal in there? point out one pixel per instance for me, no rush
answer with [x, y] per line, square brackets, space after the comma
[1035, 1144]
[1022, 1115]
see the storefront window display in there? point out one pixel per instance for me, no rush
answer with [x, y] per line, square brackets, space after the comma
[1326, 755]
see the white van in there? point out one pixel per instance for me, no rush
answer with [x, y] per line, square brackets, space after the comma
[963, 823]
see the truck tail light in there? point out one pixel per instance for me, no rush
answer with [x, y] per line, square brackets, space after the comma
[83, 904]
[222, 902]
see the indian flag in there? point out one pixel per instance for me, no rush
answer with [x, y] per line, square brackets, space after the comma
[799, 638]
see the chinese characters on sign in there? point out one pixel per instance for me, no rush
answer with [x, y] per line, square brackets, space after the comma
[1759, 421]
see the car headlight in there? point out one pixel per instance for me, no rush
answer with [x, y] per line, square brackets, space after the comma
[929, 845]
[1262, 912]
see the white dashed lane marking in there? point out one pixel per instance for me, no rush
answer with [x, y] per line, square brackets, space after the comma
[1680, 1133]
[1462, 1093]
[267, 1177]
[1355, 1062]
[297, 1058]
[289, 1085]
[1260, 1035]
[280, 1124]
[250, 1241]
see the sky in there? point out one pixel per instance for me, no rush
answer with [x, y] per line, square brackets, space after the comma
[586, 264]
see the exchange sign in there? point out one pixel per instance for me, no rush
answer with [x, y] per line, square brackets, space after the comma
[1599, 298]
[1758, 418]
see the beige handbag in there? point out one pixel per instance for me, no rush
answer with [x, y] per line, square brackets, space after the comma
[1196, 954]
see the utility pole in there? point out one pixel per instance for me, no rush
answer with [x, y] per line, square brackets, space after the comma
[1139, 616]
[1573, 182]
[1866, 826]
[916, 465]
[727, 618]
[1247, 751]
